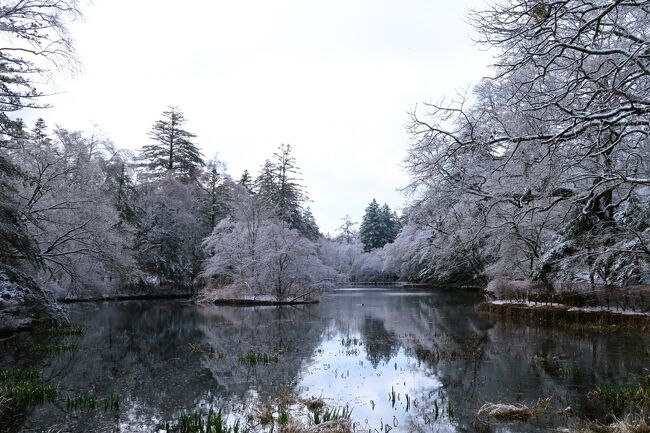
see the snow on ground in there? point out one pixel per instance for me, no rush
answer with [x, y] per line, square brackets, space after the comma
[570, 309]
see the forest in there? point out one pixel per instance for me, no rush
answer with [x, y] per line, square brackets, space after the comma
[510, 292]
[539, 174]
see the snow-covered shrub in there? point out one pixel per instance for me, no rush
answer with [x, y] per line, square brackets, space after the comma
[253, 254]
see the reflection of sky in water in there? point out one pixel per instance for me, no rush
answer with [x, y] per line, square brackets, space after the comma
[168, 358]
[342, 373]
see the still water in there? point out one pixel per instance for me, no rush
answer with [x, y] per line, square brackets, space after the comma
[402, 361]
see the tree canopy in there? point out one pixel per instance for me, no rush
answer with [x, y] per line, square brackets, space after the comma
[173, 150]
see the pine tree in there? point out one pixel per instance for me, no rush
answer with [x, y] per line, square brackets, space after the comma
[371, 231]
[290, 194]
[346, 229]
[246, 181]
[121, 184]
[379, 227]
[279, 186]
[265, 183]
[173, 150]
[390, 224]
[214, 201]
[39, 133]
[307, 225]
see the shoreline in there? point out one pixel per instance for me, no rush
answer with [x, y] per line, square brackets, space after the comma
[258, 302]
[117, 298]
[595, 318]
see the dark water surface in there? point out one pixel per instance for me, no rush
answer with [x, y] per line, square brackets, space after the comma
[358, 347]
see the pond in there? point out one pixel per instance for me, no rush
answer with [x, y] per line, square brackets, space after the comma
[400, 360]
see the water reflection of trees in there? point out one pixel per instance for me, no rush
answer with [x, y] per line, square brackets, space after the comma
[139, 351]
[478, 360]
[293, 333]
[381, 344]
[166, 357]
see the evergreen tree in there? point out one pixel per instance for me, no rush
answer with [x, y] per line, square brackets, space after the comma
[173, 150]
[290, 193]
[246, 181]
[121, 184]
[279, 185]
[379, 227]
[371, 231]
[390, 224]
[215, 196]
[307, 225]
[347, 231]
[39, 133]
[265, 183]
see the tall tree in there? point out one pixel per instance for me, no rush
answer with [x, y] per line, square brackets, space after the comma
[279, 185]
[173, 150]
[246, 180]
[542, 172]
[371, 230]
[378, 227]
[213, 184]
[266, 182]
[347, 233]
[15, 240]
[390, 223]
[290, 193]
[38, 35]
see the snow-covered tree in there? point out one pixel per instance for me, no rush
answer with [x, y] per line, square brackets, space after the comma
[378, 227]
[69, 209]
[347, 233]
[246, 180]
[408, 256]
[173, 150]
[170, 228]
[254, 254]
[16, 243]
[371, 230]
[214, 185]
[36, 36]
[534, 177]
[279, 185]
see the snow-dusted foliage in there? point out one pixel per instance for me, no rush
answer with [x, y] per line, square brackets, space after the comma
[409, 252]
[68, 206]
[379, 226]
[351, 262]
[342, 257]
[255, 254]
[170, 230]
[545, 172]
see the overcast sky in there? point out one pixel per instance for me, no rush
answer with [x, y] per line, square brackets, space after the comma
[335, 79]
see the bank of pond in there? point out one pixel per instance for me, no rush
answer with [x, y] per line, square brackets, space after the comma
[365, 359]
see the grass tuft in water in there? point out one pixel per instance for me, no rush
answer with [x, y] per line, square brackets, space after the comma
[631, 423]
[53, 348]
[283, 416]
[21, 387]
[20, 375]
[331, 414]
[85, 402]
[623, 395]
[57, 330]
[25, 393]
[253, 357]
[197, 422]
[112, 402]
